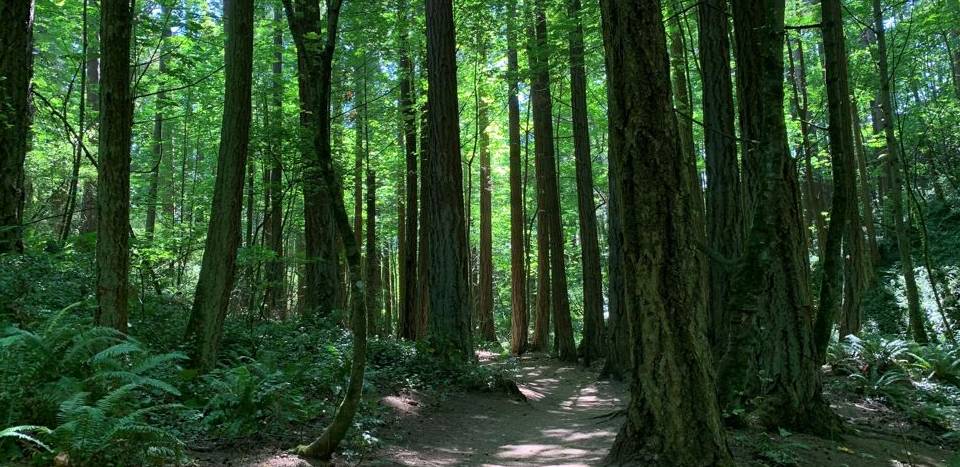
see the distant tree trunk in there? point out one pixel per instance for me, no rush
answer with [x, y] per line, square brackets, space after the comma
[841, 283]
[895, 171]
[275, 295]
[359, 105]
[673, 417]
[954, 33]
[770, 355]
[591, 346]
[158, 147]
[485, 295]
[725, 223]
[113, 193]
[16, 71]
[88, 218]
[866, 191]
[547, 183]
[218, 267]
[542, 305]
[812, 196]
[70, 209]
[321, 272]
[372, 296]
[407, 286]
[519, 322]
[423, 257]
[449, 309]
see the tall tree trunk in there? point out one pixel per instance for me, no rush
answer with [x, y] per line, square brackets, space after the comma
[321, 272]
[449, 317]
[591, 346]
[71, 207]
[841, 281]
[407, 286]
[16, 71]
[866, 191]
[519, 321]
[304, 24]
[423, 256]
[273, 226]
[725, 222]
[158, 147]
[485, 282]
[673, 417]
[547, 183]
[113, 192]
[770, 307]
[372, 295]
[895, 170]
[812, 195]
[218, 267]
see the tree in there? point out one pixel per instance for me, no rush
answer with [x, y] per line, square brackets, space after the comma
[113, 189]
[547, 184]
[449, 317]
[372, 278]
[275, 296]
[725, 221]
[485, 299]
[591, 346]
[672, 417]
[770, 311]
[841, 277]
[407, 313]
[319, 54]
[894, 167]
[16, 71]
[519, 321]
[218, 267]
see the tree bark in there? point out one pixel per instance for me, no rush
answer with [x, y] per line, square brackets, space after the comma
[485, 282]
[113, 200]
[519, 322]
[275, 294]
[841, 283]
[591, 345]
[372, 296]
[770, 305]
[450, 329]
[725, 222]
[16, 72]
[407, 312]
[895, 170]
[218, 267]
[547, 183]
[672, 418]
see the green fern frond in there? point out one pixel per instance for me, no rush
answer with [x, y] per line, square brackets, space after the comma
[55, 319]
[20, 432]
[115, 351]
[154, 361]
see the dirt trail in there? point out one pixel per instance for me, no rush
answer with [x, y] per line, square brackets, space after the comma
[562, 423]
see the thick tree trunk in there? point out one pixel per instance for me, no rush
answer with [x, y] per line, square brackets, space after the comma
[218, 267]
[547, 183]
[841, 281]
[866, 190]
[771, 356]
[673, 418]
[16, 71]
[895, 170]
[519, 320]
[725, 222]
[321, 272]
[449, 325]
[591, 346]
[423, 256]
[407, 310]
[113, 200]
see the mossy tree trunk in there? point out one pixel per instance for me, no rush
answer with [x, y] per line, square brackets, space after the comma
[672, 418]
[113, 190]
[218, 267]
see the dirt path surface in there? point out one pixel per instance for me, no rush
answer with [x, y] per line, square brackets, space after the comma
[562, 423]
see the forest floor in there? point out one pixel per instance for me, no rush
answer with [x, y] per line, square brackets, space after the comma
[570, 418]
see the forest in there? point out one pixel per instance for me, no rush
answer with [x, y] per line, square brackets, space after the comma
[479, 232]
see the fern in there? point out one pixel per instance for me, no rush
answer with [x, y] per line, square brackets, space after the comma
[20, 432]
